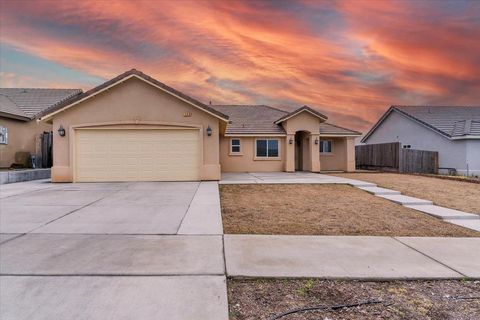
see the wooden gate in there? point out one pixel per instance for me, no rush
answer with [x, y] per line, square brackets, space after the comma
[46, 143]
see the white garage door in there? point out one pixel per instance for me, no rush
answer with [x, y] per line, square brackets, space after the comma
[136, 155]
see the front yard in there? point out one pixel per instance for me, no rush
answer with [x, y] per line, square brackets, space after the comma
[458, 195]
[314, 209]
[442, 299]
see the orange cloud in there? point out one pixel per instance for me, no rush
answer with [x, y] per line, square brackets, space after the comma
[351, 59]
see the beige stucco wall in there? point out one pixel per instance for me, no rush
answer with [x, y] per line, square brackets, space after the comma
[21, 137]
[342, 156]
[246, 162]
[137, 103]
[303, 121]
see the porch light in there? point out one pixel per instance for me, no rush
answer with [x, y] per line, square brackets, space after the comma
[290, 141]
[61, 131]
[316, 140]
[209, 131]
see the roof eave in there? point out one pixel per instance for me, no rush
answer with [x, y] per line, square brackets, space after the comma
[340, 134]
[255, 134]
[466, 137]
[129, 75]
[14, 116]
[298, 111]
[406, 115]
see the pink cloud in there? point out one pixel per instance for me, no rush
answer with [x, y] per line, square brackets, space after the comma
[370, 55]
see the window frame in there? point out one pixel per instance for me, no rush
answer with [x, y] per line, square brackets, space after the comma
[322, 145]
[4, 131]
[235, 153]
[267, 157]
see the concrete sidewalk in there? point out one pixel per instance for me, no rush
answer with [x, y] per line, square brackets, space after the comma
[112, 298]
[351, 257]
[288, 178]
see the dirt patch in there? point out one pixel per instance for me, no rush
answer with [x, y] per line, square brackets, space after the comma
[458, 195]
[255, 299]
[306, 209]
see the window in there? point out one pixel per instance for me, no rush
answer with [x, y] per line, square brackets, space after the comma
[3, 135]
[325, 146]
[267, 148]
[235, 146]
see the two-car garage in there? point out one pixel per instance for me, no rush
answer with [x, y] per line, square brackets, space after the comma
[135, 128]
[136, 155]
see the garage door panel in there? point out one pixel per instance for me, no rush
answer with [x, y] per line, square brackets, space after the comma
[137, 155]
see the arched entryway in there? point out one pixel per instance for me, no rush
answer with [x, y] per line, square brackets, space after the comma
[301, 150]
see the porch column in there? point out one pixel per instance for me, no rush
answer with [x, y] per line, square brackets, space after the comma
[290, 153]
[314, 152]
[349, 151]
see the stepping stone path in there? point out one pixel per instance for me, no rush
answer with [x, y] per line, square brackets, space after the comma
[406, 200]
[444, 213]
[379, 191]
[460, 218]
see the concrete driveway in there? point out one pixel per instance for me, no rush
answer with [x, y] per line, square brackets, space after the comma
[111, 251]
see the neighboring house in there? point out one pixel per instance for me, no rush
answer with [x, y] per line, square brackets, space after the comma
[134, 128]
[452, 131]
[19, 108]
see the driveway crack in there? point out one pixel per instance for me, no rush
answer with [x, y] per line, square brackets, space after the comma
[188, 208]
[75, 210]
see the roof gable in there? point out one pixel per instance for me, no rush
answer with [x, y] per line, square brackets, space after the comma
[451, 122]
[300, 110]
[124, 77]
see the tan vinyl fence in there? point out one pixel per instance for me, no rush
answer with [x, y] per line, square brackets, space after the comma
[392, 157]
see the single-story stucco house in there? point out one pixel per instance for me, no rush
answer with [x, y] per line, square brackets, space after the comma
[135, 128]
[19, 110]
[452, 131]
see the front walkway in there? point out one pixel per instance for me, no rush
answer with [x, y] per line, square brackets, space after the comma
[464, 219]
[287, 178]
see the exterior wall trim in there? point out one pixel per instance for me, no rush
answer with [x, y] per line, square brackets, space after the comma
[49, 116]
[253, 135]
[113, 124]
[392, 109]
[298, 112]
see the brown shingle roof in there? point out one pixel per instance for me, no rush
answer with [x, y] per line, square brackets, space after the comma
[331, 129]
[252, 119]
[30, 102]
[260, 119]
[142, 76]
[9, 109]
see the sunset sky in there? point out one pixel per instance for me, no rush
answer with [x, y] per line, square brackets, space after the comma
[349, 59]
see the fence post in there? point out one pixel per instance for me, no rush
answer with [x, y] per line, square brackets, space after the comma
[401, 161]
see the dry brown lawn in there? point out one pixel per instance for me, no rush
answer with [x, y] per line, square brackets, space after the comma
[306, 209]
[458, 195]
[262, 299]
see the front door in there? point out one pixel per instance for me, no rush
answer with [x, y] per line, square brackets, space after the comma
[298, 152]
